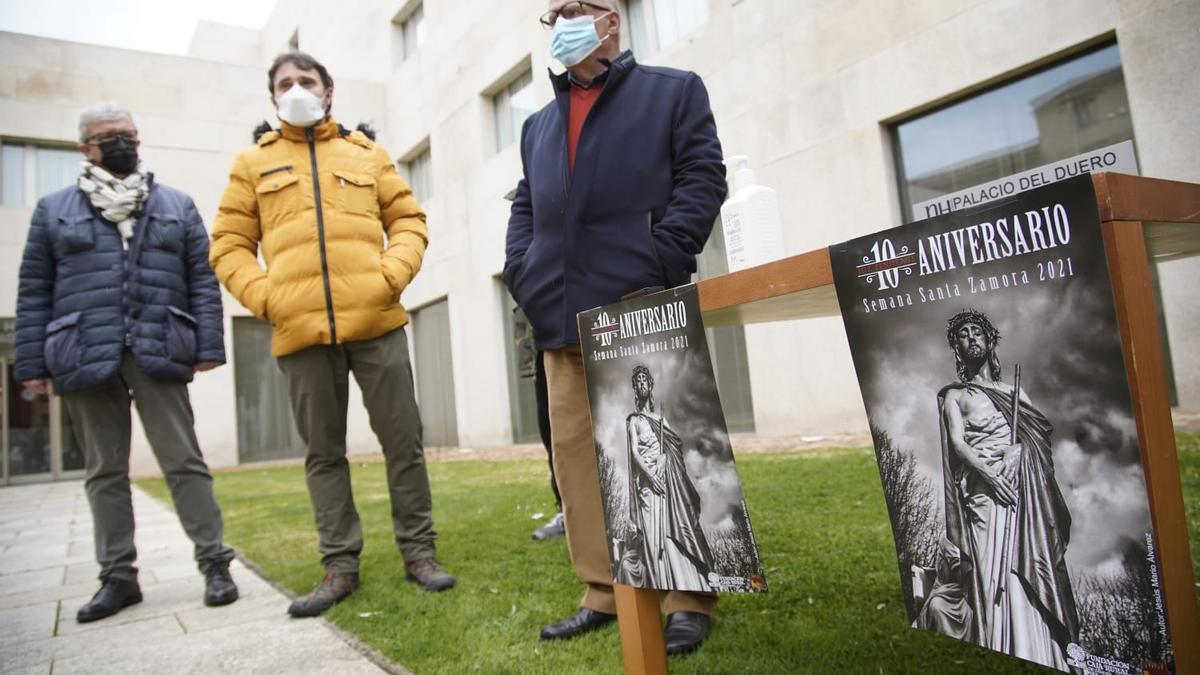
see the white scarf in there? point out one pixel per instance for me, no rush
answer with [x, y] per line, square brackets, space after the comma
[119, 200]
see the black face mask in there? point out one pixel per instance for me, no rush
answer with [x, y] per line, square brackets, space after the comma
[119, 156]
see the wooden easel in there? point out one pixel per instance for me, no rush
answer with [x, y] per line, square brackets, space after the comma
[1140, 217]
[641, 631]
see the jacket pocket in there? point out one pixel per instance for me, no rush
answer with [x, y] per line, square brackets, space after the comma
[522, 270]
[393, 293]
[180, 336]
[278, 196]
[164, 233]
[357, 193]
[662, 270]
[63, 348]
[620, 255]
[75, 234]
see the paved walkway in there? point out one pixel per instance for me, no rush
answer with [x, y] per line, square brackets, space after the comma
[47, 572]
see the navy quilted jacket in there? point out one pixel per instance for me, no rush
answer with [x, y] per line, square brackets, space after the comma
[83, 298]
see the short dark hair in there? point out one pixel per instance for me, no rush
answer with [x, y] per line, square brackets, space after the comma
[303, 62]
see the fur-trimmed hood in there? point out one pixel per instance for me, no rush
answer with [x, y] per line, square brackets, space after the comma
[365, 128]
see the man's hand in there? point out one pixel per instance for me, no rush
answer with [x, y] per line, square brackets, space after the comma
[1002, 488]
[43, 387]
[658, 475]
[1010, 461]
[204, 366]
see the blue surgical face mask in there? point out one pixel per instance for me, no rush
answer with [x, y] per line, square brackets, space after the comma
[575, 39]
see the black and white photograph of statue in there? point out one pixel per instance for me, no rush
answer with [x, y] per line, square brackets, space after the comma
[1005, 582]
[673, 501]
[989, 358]
[671, 550]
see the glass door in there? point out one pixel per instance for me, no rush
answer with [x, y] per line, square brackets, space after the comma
[27, 431]
[37, 442]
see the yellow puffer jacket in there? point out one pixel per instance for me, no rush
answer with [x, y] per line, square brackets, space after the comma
[329, 278]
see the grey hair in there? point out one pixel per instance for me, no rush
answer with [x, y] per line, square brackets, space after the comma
[100, 112]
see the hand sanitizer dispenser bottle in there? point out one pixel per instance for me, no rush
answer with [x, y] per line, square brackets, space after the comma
[750, 217]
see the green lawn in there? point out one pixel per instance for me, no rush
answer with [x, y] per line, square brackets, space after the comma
[834, 603]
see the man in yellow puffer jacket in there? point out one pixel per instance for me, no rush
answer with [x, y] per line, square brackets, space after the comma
[318, 201]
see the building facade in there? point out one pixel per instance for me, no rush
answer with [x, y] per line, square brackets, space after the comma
[851, 109]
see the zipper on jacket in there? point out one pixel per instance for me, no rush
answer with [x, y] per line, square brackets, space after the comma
[568, 173]
[312, 153]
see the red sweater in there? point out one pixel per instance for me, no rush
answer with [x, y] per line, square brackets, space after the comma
[580, 104]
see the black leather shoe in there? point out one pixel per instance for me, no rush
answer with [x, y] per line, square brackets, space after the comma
[685, 631]
[334, 588]
[113, 596]
[577, 624]
[219, 588]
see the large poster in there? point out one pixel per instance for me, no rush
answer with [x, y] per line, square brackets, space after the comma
[988, 354]
[673, 505]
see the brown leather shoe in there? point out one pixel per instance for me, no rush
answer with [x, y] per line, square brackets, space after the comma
[429, 574]
[334, 588]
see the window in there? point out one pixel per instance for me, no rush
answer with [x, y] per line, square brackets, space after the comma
[434, 363]
[658, 24]
[1064, 110]
[727, 344]
[1061, 111]
[521, 357]
[511, 107]
[408, 31]
[265, 427]
[418, 170]
[30, 171]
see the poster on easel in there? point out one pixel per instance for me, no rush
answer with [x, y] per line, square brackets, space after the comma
[989, 358]
[673, 506]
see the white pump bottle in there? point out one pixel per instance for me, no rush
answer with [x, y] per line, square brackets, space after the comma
[750, 217]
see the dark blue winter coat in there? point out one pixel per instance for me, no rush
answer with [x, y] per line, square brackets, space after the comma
[83, 298]
[646, 190]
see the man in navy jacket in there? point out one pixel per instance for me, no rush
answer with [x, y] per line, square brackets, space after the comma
[117, 303]
[622, 184]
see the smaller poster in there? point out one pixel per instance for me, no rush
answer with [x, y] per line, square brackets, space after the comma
[673, 506]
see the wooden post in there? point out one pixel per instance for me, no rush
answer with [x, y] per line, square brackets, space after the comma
[641, 631]
[1129, 266]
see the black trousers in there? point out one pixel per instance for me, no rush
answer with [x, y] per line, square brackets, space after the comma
[543, 414]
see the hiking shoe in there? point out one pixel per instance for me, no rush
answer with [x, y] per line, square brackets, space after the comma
[219, 588]
[334, 588]
[429, 574]
[553, 529]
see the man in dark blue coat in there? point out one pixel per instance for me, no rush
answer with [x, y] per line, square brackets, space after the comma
[622, 184]
[117, 303]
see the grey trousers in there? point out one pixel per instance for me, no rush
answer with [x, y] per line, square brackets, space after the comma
[318, 380]
[101, 419]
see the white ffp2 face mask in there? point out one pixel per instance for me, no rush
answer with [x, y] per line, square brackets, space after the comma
[299, 107]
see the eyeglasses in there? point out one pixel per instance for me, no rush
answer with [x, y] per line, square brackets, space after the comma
[571, 10]
[120, 135]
